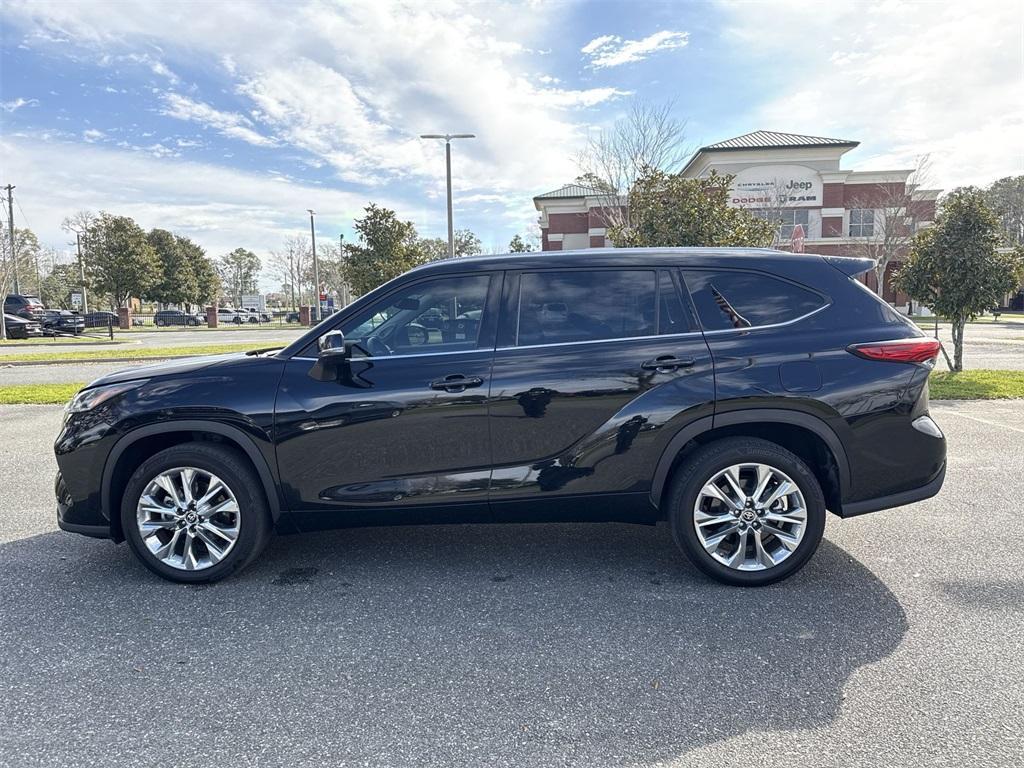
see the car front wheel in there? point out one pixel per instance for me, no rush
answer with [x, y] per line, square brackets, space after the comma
[195, 513]
[746, 511]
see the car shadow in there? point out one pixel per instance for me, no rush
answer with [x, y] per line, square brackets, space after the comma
[454, 645]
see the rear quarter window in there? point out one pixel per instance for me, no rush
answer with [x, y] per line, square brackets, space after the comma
[733, 299]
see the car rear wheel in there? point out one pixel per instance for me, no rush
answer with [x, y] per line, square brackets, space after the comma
[195, 513]
[746, 511]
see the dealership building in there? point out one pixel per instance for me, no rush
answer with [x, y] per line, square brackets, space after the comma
[793, 179]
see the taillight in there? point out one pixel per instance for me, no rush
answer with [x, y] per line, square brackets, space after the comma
[898, 351]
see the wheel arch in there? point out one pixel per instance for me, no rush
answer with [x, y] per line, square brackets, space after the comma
[808, 436]
[149, 440]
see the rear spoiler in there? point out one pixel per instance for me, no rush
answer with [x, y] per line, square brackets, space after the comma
[849, 265]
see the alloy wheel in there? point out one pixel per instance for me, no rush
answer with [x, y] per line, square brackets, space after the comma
[188, 518]
[750, 517]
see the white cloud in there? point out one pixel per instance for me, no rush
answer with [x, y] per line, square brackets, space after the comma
[93, 134]
[905, 84]
[18, 103]
[229, 124]
[219, 208]
[352, 85]
[613, 51]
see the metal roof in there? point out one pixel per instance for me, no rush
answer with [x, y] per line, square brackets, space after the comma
[777, 140]
[569, 190]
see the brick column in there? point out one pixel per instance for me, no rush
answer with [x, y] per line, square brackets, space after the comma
[211, 317]
[124, 318]
[305, 314]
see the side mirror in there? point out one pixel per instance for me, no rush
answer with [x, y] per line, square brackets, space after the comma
[332, 347]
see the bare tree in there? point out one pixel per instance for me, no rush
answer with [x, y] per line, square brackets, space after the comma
[899, 210]
[290, 265]
[649, 136]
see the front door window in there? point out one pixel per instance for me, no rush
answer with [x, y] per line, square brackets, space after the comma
[441, 315]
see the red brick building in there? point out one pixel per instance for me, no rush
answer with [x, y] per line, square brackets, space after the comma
[793, 179]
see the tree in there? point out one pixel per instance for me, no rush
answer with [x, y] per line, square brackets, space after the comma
[464, 242]
[176, 282]
[1006, 199]
[518, 245]
[26, 249]
[668, 210]
[649, 137]
[78, 224]
[122, 263]
[898, 213]
[59, 284]
[239, 273]
[387, 247]
[954, 267]
[206, 280]
[290, 264]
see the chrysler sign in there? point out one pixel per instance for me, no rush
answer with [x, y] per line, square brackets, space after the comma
[771, 186]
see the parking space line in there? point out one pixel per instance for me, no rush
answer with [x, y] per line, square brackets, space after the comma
[983, 421]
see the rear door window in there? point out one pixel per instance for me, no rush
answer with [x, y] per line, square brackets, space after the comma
[732, 299]
[574, 306]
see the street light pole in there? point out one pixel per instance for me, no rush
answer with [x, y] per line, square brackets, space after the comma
[448, 177]
[316, 266]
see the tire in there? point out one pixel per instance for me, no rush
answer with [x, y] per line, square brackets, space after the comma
[237, 320]
[159, 323]
[251, 521]
[751, 568]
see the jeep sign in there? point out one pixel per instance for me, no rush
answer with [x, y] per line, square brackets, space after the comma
[770, 186]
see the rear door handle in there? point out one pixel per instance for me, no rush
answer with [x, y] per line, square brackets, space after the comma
[667, 363]
[456, 382]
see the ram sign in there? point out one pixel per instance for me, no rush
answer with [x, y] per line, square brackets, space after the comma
[773, 186]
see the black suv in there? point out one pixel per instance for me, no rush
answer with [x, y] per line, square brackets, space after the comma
[26, 306]
[736, 394]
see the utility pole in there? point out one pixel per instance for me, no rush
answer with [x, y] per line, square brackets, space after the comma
[316, 267]
[81, 273]
[448, 177]
[10, 231]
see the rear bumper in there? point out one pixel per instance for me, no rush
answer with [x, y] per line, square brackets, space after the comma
[926, 491]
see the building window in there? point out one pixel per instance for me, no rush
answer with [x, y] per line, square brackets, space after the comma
[862, 222]
[787, 219]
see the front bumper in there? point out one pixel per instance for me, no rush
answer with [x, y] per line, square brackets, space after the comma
[75, 518]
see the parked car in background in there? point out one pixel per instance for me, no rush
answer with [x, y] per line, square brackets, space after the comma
[228, 315]
[167, 317]
[21, 328]
[255, 316]
[736, 394]
[100, 319]
[24, 305]
[292, 317]
[61, 321]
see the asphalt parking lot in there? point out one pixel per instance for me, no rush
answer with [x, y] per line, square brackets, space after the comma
[899, 644]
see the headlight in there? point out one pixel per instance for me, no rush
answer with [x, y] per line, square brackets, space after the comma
[88, 399]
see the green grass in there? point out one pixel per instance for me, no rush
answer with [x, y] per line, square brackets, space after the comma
[976, 385]
[272, 326]
[128, 353]
[38, 394]
[36, 341]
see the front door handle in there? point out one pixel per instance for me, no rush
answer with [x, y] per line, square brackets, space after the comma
[456, 382]
[667, 363]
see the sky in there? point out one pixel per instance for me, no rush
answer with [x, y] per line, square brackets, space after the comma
[226, 121]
